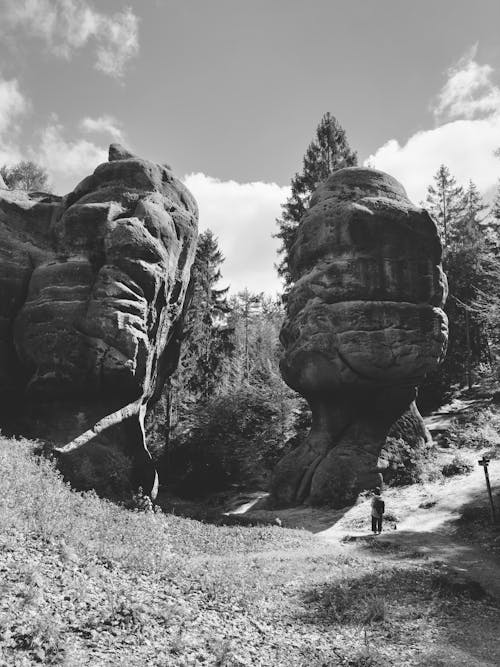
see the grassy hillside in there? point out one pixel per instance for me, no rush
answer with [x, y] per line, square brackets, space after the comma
[85, 582]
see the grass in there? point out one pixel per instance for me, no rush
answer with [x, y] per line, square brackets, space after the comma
[87, 582]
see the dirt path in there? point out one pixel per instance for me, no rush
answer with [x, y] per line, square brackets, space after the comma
[426, 524]
[421, 520]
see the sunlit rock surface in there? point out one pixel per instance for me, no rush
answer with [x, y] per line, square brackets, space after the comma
[364, 325]
[92, 291]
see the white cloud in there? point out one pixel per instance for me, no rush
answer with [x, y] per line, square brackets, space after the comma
[242, 216]
[13, 104]
[121, 43]
[106, 124]
[68, 25]
[465, 144]
[66, 161]
[469, 90]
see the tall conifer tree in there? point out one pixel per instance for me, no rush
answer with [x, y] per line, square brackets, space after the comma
[469, 266]
[328, 152]
[206, 343]
[207, 336]
[446, 201]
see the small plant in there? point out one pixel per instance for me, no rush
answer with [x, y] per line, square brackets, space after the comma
[42, 640]
[337, 600]
[457, 466]
[375, 609]
[179, 641]
[223, 653]
[141, 502]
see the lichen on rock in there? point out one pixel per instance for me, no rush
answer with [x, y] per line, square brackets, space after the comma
[364, 325]
[93, 289]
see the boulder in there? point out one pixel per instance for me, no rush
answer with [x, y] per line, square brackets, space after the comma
[364, 324]
[94, 286]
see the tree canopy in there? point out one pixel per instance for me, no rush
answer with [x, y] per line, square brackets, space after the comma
[470, 263]
[25, 175]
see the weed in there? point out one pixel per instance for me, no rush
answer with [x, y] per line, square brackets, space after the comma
[178, 642]
[223, 653]
[376, 609]
[337, 600]
[41, 639]
[457, 466]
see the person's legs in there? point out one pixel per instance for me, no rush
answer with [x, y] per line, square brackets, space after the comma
[379, 524]
[374, 524]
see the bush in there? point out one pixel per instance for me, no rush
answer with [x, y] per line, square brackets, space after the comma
[478, 429]
[236, 439]
[457, 466]
[408, 462]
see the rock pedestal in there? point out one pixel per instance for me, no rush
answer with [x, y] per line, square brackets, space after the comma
[364, 325]
[93, 287]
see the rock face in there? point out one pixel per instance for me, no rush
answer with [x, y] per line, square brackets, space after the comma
[364, 325]
[93, 287]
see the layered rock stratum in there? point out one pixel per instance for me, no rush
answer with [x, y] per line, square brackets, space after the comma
[93, 287]
[364, 324]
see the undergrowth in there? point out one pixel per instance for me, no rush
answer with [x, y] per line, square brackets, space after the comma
[478, 429]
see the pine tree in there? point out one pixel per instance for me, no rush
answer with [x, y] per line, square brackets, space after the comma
[473, 281]
[466, 228]
[328, 152]
[207, 338]
[446, 201]
[206, 344]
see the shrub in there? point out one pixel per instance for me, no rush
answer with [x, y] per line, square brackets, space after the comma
[236, 438]
[408, 462]
[478, 429]
[457, 466]
[376, 609]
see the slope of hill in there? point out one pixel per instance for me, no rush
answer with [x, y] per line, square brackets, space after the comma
[85, 582]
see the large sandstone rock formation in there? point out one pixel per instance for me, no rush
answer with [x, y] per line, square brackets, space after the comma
[92, 291]
[364, 325]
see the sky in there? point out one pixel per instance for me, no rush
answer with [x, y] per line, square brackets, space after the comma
[229, 93]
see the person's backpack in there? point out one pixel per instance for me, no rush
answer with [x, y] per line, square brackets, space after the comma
[379, 506]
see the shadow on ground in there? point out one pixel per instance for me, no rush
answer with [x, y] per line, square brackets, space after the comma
[456, 617]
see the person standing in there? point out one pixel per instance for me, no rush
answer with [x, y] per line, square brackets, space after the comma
[378, 509]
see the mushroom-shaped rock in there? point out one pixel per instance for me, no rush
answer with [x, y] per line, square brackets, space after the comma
[93, 291]
[364, 325]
